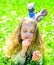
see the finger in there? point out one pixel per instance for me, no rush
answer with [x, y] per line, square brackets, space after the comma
[36, 53]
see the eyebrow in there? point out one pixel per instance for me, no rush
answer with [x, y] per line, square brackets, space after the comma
[26, 29]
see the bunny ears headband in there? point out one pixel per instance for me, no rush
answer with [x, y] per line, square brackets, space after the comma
[38, 16]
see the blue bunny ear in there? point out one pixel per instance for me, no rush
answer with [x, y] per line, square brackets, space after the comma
[31, 10]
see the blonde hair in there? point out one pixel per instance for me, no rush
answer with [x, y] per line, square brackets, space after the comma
[14, 43]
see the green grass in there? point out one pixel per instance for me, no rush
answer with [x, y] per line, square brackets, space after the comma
[11, 11]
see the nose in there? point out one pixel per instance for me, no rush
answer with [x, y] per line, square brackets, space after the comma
[28, 35]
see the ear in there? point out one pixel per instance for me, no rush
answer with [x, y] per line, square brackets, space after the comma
[40, 15]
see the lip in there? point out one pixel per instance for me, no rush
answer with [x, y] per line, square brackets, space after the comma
[29, 39]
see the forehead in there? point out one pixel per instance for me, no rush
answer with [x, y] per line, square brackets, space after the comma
[28, 25]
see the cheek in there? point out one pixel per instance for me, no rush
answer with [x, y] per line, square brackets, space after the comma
[22, 36]
[32, 35]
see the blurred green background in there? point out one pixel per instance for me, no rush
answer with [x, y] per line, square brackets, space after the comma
[11, 13]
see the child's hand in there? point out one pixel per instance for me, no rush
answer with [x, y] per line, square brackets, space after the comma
[25, 44]
[36, 55]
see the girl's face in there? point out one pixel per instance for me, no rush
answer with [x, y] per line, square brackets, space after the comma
[27, 31]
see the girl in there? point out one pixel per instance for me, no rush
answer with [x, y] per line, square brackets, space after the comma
[26, 43]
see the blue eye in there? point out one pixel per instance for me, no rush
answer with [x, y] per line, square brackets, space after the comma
[31, 32]
[24, 31]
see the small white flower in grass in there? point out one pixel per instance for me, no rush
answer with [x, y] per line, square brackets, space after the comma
[45, 24]
[18, 18]
[43, 35]
[2, 29]
[15, 62]
[52, 23]
[52, 17]
[53, 33]
[43, 31]
[0, 49]
[3, 17]
[50, 37]
[4, 32]
[13, 13]
[9, 19]
[52, 55]
[52, 30]
[1, 39]
[4, 21]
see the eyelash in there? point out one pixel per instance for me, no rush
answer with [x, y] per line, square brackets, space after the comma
[32, 32]
[26, 31]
